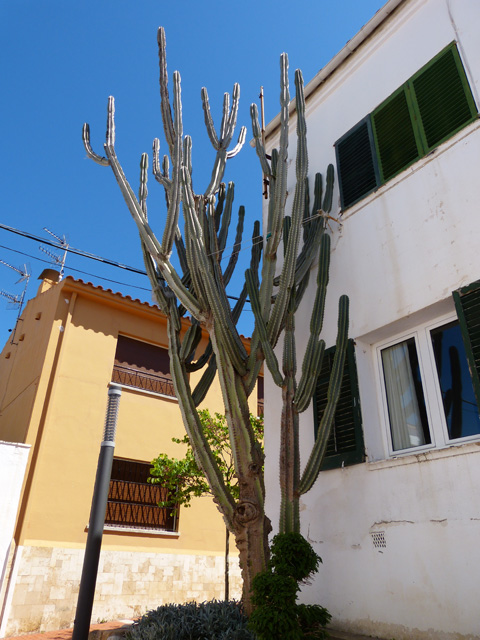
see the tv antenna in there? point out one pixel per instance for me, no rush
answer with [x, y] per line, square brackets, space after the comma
[58, 260]
[17, 300]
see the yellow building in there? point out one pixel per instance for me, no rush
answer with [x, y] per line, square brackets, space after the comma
[74, 339]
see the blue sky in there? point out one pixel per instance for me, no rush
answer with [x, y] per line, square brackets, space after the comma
[60, 62]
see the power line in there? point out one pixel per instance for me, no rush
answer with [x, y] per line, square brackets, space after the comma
[83, 254]
[86, 273]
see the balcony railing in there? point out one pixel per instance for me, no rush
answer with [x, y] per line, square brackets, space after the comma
[141, 380]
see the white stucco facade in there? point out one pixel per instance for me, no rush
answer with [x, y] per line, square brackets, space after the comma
[13, 462]
[399, 253]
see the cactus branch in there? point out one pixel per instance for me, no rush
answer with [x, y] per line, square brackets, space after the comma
[90, 153]
[312, 468]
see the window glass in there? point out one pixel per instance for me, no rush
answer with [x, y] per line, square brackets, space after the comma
[405, 399]
[459, 404]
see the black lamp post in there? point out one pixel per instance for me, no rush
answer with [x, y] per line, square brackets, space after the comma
[83, 615]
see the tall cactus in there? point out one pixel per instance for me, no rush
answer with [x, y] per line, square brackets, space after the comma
[289, 289]
[200, 290]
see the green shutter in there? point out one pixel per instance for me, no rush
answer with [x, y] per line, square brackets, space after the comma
[428, 109]
[467, 303]
[345, 445]
[355, 163]
[443, 97]
[396, 139]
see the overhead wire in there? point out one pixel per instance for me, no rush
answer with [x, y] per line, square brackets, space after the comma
[83, 254]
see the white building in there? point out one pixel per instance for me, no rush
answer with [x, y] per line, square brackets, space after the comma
[396, 513]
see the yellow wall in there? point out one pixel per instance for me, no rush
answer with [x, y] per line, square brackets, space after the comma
[67, 357]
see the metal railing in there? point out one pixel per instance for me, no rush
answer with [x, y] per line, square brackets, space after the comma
[141, 380]
[134, 505]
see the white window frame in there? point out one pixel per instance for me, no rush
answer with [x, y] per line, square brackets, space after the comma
[437, 423]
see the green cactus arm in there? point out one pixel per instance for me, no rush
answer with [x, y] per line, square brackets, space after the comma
[190, 341]
[242, 136]
[212, 134]
[327, 200]
[187, 153]
[314, 352]
[205, 382]
[287, 276]
[312, 468]
[257, 136]
[193, 426]
[90, 153]
[147, 235]
[217, 172]
[301, 289]
[159, 175]
[270, 357]
[312, 364]
[280, 193]
[289, 359]
[164, 97]
[225, 219]
[231, 123]
[318, 310]
[202, 360]
[217, 299]
[177, 160]
[225, 118]
[143, 190]
[237, 245]
[221, 195]
[246, 453]
[181, 254]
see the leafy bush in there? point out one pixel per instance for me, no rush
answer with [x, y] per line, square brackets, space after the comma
[277, 615]
[292, 555]
[206, 621]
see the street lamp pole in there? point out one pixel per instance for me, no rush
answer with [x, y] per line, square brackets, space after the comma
[88, 580]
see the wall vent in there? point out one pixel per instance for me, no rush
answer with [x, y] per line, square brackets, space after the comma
[379, 541]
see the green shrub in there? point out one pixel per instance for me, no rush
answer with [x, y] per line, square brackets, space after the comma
[274, 593]
[206, 621]
[292, 555]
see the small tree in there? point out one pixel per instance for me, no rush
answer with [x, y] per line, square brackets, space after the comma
[185, 480]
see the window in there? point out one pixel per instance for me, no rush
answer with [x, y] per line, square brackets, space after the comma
[428, 109]
[345, 444]
[143, 366]
[133, 501]
[428, 395]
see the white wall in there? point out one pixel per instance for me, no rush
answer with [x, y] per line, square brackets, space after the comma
[398, 254]
[13, 462]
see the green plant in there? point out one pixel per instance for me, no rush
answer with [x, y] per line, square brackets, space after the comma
[276, 614]
[200, 290]
[206, 621]
[185, 479]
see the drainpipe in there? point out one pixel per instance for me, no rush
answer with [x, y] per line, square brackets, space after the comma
[88, 580]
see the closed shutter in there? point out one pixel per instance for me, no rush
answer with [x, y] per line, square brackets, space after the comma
[467, 303]
[425, 111]
[355, 162]
[395, 137]
[345, 445]
[444, 99]
[133, 501]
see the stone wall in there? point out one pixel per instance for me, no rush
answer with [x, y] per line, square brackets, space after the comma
[45, 590]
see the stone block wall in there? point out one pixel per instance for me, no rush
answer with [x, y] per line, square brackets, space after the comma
[45, 590]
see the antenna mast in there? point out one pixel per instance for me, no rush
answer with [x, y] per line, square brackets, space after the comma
[56, 259]
[18, 299]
